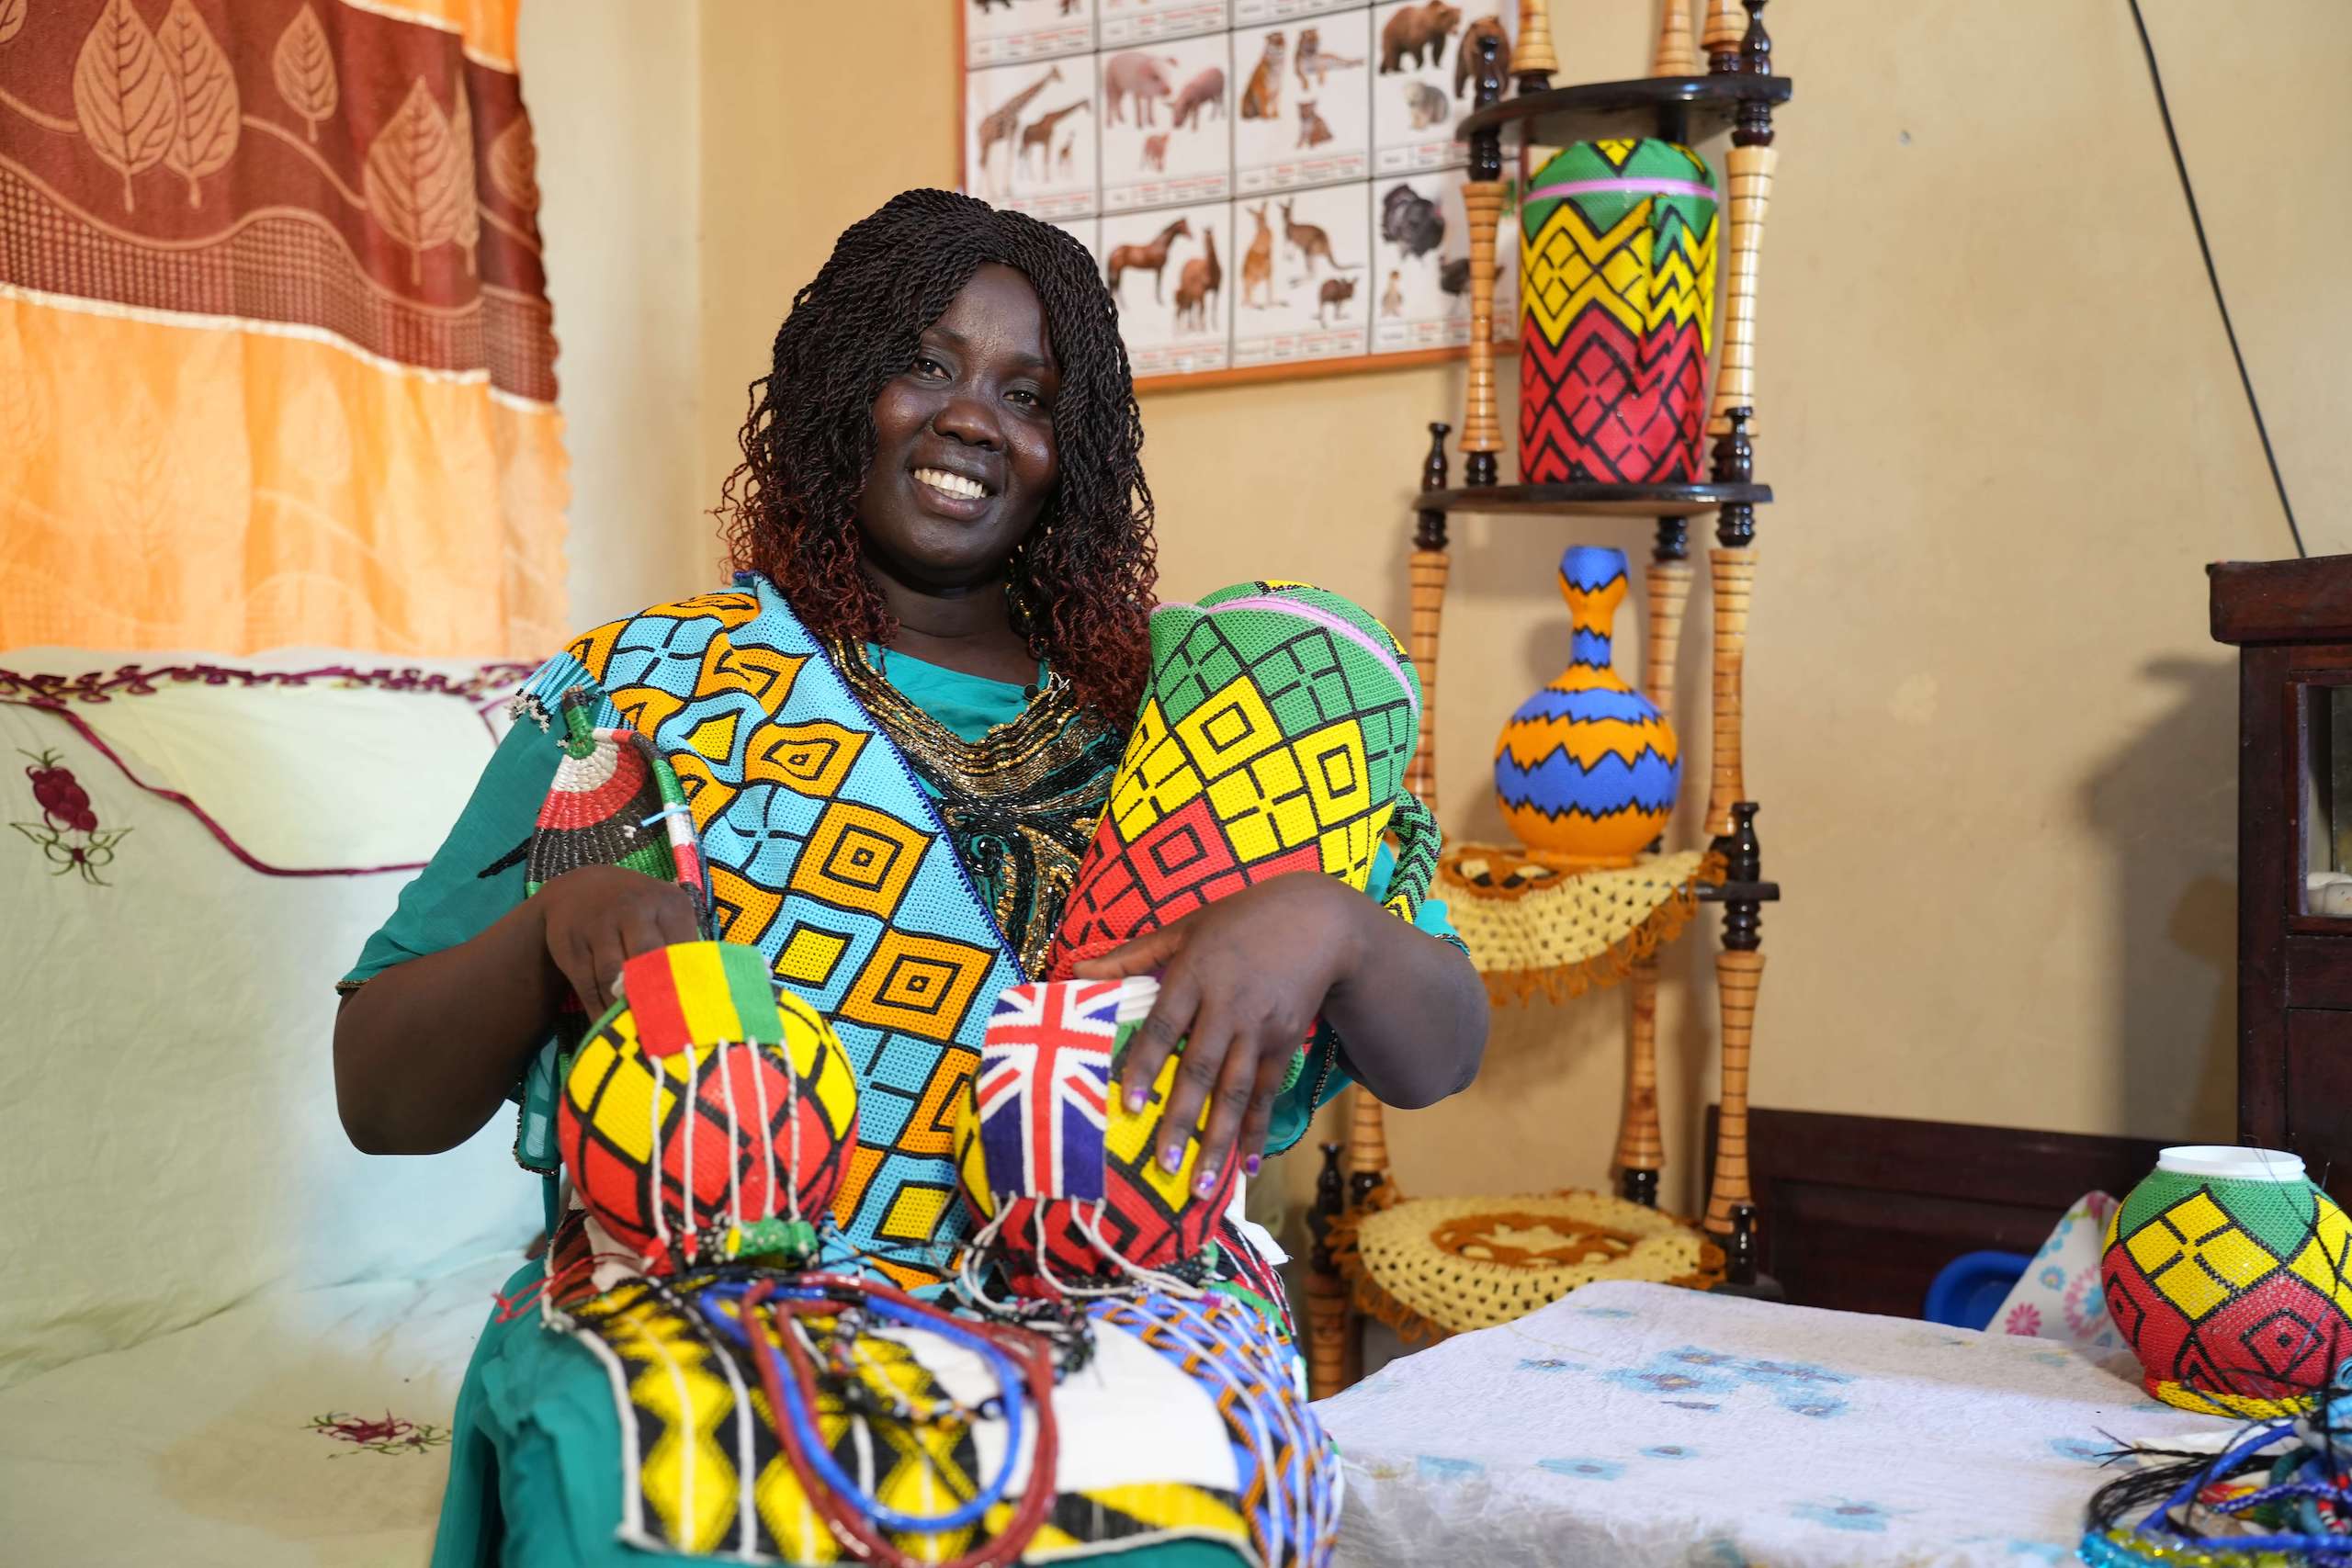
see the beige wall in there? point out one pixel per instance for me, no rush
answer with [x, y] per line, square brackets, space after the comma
[612, 87]
[1992, 739]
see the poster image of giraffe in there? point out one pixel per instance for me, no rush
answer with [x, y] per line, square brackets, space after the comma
[1304, 291]
[1054, 160]
[1002, 32]
[1423, 55]
[1129, 22]
[1003, 102]
[1170, 272]
[1166, 137]
[1302, 103]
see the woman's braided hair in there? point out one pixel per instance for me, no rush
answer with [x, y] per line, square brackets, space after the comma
[1080, 584]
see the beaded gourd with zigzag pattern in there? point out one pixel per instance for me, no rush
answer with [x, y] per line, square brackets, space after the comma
[1587, 768]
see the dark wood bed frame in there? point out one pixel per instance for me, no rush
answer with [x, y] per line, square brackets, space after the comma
[1858, 1212]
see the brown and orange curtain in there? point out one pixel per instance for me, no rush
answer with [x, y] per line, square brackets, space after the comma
[276, 363]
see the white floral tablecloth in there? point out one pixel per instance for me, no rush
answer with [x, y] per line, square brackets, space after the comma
[1636, 1424]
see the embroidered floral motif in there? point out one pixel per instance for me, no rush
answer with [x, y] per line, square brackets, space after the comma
[68, 831]
[391, 1435]
[133, 681]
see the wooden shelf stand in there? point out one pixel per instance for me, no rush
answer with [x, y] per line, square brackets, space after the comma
[1731, 84]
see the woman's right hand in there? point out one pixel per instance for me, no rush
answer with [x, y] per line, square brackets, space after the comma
[599, 917]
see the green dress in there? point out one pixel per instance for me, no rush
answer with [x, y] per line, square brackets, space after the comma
[534, 1477]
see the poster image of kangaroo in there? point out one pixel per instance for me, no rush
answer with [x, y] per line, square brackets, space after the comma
[1304, 287]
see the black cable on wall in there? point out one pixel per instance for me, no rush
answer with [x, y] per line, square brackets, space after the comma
[2197, 221]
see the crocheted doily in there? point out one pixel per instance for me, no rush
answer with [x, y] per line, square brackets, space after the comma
[1531, 926]
[1450, 1265]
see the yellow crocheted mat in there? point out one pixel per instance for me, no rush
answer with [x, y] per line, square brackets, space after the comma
[1531, 926]
[1441, 1266]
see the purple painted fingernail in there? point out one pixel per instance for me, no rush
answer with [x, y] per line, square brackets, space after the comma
[1250, 1164]
[1136, 1099]
[1205, 1184]
[1172, 1156]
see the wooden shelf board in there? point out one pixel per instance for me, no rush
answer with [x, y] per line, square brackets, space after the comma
[1561, 115]
[1593, 499]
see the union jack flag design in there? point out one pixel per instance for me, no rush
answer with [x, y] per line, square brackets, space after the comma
[1045, 1086]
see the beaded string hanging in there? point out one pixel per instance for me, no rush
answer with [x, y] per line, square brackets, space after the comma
[2245, 1507]
[767, 1320]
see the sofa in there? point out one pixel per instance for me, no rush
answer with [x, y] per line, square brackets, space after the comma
[226, 1337]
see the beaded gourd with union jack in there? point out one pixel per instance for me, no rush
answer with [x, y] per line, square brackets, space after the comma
[1060, 1172]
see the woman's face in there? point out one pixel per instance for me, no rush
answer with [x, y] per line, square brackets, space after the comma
[963, 453]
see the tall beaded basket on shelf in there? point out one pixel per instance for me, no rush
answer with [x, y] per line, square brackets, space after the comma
[1617, 289]
[2227, 1272]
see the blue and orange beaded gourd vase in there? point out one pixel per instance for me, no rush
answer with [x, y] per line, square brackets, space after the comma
[1586, 768]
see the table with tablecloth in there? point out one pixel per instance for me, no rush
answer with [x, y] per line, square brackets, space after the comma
[1634, 1424]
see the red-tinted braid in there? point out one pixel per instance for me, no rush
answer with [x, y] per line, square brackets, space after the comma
[1082, 581]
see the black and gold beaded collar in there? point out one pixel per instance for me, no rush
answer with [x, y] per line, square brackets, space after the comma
[1019, 804]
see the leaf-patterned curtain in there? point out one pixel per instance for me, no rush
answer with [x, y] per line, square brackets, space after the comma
[276, 365]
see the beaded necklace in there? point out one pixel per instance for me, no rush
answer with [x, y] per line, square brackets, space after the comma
[1019, 804]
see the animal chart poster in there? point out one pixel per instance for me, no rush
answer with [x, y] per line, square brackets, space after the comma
[1235, 165]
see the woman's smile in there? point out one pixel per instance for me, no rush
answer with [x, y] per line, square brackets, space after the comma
[954, 494]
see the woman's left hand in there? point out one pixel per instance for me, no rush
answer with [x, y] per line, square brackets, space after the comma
[1240, 983]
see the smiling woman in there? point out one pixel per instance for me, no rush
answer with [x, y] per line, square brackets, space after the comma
[894, 737]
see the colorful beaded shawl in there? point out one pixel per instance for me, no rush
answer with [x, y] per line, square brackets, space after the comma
[826, 854]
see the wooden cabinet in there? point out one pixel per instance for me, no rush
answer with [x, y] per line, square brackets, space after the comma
[2291, 623]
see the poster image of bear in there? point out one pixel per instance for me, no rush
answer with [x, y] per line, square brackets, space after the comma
[1166, 137]
[1424, 55]
[1302, 103]
[1167, 271]
[1003, 32]
[1304, 291]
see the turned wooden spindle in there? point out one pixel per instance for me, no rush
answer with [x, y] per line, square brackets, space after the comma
[1747, 171]
[1678, 51]
[1669, 592]
[1328, 1336]
[1733, 573]
[1532, 61]
[1482, 424]
[1641, 1147]
[1737, 977]
[1726, 27]
[1367, 1146]
[1482, 201]
[1426, 569]
[1739, 972]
